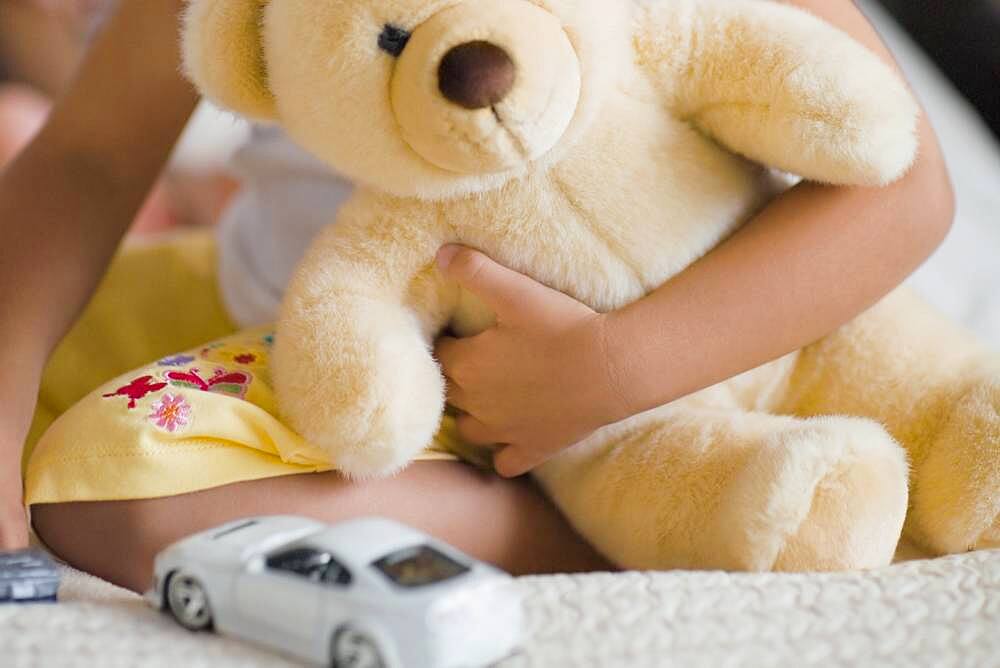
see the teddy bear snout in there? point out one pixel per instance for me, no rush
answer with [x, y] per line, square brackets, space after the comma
[476, 75]
[485, 87]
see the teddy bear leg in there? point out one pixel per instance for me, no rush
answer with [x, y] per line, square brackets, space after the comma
[937, 390]
[956, 496]
[677, 488]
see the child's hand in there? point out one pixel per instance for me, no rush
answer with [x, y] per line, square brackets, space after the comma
[18, 389]
[538, 381]
[13, 522]
[13, 529]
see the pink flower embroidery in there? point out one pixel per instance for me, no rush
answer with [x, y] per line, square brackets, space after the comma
[171, 413]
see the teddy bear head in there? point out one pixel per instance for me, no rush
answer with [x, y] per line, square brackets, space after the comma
[425, 98]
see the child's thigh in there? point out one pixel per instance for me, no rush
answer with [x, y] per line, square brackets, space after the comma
[505, 522]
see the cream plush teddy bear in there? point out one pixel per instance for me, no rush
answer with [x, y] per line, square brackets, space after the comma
[601, 146]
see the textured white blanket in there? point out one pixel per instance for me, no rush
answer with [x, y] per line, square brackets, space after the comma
[940, 612]
[943, 612]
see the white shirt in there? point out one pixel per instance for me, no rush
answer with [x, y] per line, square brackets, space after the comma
[287, 197]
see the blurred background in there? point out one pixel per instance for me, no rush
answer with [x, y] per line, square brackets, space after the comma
[41, 42]
[949, 50]
[963, 38]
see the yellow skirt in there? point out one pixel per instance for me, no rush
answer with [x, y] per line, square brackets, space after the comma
[185, 421]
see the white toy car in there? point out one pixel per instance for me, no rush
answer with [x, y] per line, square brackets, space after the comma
[366, 593]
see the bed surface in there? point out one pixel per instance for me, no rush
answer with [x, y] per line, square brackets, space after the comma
[916, 613]
[928, 612]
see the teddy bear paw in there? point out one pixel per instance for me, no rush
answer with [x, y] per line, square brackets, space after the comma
[956, 492]
[372, 413]
[830, 494]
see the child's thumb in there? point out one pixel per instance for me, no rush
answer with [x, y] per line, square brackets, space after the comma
[503, 290]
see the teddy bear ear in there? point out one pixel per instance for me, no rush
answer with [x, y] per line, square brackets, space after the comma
[224, 55]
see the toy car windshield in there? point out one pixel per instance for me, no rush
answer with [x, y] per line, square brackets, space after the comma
[419, 566]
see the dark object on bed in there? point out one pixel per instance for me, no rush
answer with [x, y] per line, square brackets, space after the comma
[963, 36]
[28, 576]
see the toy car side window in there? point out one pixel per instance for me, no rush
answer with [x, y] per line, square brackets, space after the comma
[306, 562]
[336, 574]
[418, 566]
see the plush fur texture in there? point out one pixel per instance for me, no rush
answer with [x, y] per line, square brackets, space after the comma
[629, 146]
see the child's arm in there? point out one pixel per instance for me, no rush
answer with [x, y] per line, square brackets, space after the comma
[812, 260]
[66, 202]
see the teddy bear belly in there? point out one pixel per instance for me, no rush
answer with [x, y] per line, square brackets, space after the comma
[626, 210]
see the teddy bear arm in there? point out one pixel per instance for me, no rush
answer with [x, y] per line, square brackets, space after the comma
[779, 86]
[352, 364]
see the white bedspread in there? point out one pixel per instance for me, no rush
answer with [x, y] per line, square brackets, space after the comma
[943, 612]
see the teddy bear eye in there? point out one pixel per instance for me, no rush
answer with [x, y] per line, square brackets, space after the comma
[393, 39]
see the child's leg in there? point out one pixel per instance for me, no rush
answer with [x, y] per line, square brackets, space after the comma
[117, 443]
[508, 523]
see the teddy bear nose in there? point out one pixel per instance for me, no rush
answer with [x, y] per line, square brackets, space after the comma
[476, 75]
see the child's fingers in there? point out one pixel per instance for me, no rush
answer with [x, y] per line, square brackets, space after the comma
[13, 527]
[515, 460]
[449, 353]
[504, 290]
[475, 432]
[456, 397]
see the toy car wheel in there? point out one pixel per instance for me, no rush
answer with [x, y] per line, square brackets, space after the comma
[352, 648]
[188, 602]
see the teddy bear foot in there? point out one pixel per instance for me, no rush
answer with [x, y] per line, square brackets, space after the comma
[990, 539]
[829, 495]
[956, 492]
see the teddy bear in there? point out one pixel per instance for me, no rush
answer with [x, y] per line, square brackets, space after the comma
[600, 147]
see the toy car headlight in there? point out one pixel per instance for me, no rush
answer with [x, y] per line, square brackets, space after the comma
[467, 605]
[449, 610]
